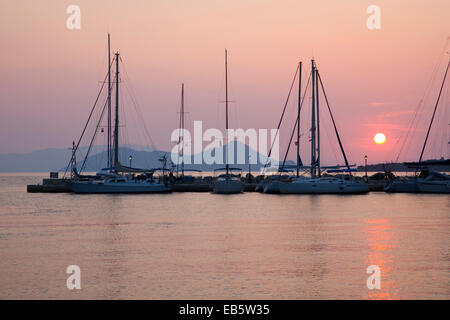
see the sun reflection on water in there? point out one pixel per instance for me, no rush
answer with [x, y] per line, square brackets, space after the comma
[380, 236]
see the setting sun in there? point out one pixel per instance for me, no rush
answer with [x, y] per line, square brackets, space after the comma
[379, 138]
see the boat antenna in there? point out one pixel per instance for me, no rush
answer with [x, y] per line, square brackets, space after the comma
[432, 118]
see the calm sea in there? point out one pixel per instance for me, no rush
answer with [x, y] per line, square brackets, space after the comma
[207, 246]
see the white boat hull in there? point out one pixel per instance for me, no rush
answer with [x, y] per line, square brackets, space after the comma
[323, 186]
[129, 187]
[434, 186]
[272, 187]
[402, 186]
[228, 186]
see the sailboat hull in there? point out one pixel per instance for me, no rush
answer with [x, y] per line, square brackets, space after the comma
[326, 186]
[434, 186]
[228, 186]
[272, 187]
[89, 187]
[402, 186]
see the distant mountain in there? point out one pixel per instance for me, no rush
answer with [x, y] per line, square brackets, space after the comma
[142, 157]
[44, 160]
[239, 161]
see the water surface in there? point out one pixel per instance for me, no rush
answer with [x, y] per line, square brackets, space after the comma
[207, 246]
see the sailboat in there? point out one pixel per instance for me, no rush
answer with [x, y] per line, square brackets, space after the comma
[182, 182]
[227, 183]
[113, 180]
[316, 183]
[272, 183]
[427, 181]
[436, 182]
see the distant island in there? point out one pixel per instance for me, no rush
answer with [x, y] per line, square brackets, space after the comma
[436, 164]
[142, 157]
[56, 159]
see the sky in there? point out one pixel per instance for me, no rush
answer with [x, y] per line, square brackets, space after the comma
[374, 79]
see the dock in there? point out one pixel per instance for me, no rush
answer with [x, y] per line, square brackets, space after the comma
[50, 185]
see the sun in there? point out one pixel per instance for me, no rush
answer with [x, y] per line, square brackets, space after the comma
[379, 138]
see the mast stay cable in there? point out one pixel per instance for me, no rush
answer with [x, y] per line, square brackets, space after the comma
[296, 124]
[87, 122]
[334, 124]
[432, 118]
[281, 119]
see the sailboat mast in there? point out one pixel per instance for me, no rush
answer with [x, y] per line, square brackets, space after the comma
[318, 123]
[109, 102]
[116, 124]
[313, 122]
[432, 118]
[226, 110]
[298, 115]
[182, 128]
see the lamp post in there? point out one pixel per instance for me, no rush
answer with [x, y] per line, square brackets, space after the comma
[365, 160]
[130, 158]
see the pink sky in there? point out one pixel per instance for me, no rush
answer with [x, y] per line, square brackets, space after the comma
[374, 78]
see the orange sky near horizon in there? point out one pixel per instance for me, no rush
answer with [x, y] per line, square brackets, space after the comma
[374, 78]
